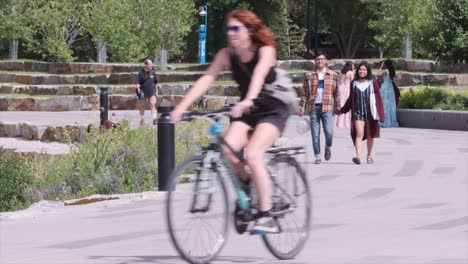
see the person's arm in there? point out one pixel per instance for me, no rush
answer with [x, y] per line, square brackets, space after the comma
[137, 82]
[336, 95]
[350, 76]
[347, 106]
[220, 61]
[381, 72]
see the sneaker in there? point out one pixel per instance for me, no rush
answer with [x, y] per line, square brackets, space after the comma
[264, 225]
[142, 122]
[327, 153]
[155, 121]
[318, 161]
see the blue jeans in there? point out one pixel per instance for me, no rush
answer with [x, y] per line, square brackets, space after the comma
[327, 120]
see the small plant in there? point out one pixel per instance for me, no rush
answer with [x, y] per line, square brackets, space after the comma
[15, 180]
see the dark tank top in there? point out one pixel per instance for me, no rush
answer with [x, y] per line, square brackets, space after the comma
[243, 74]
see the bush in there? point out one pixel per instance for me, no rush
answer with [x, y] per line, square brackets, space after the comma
[121, 160]
[15, 179]
[433, 98]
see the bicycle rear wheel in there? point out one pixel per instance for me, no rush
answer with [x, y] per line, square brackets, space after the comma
[197, 211]
[291, 191]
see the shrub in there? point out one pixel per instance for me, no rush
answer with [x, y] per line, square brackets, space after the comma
[15, 179]
[433, 98]
[118, 161]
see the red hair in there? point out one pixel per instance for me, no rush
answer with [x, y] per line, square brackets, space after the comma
[261, 34]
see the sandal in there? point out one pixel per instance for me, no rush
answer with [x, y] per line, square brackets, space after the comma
[357, 160]
[370, 160]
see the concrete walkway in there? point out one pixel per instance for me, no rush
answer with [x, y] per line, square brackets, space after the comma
[410, 207]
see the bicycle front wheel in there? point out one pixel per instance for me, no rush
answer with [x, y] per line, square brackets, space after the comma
[290, 194]
[197, 211]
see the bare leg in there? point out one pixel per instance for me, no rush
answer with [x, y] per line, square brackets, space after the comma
[153, 101]
[370, 141]
[236, 137]
[263, 137]
[142, 106]
[359, 126]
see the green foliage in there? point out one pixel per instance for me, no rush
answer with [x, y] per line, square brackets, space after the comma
[445, 36]
[436, 27]
[433, 98]
[57, 24]
[120, 160]
[15, 178]
[14, 22]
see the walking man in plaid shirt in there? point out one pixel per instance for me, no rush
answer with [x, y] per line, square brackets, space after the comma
[320, 93]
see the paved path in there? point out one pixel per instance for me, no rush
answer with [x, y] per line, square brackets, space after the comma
[410, 207]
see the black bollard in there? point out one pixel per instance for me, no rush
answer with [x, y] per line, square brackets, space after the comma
[166, 147]
[104, 104]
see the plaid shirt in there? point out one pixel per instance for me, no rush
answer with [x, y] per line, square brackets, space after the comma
[331, 96]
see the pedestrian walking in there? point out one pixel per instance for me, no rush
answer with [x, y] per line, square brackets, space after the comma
[320, 94]
[365, 104]
[146, 87]
[344, 81]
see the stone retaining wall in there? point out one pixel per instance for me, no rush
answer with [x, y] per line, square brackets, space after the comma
[336, 64]
[433, 119]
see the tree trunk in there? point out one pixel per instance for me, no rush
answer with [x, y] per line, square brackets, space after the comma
[161, 59]
[13, 51]
[102, 52]
[407, 47]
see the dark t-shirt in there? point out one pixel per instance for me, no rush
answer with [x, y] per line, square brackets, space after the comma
[147, 81]
[242, 72]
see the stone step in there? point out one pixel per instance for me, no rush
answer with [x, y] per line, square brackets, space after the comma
[335, 64]
[91, 89]
[18, 147]
[402, 78]
[34, 78]
[91, 102]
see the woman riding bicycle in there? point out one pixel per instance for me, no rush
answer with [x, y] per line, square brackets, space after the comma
[251, 56]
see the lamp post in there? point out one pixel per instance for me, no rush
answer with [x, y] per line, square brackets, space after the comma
[316, 28]
[202, 36]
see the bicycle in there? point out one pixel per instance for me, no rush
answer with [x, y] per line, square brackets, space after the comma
[198, 191]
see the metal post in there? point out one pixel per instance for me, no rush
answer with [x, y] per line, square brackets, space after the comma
[316, 28]
[202, 32]
[166, 147]
[202, 44]
[104, 104]
[308, 27]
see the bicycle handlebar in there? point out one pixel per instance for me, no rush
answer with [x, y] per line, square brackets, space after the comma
[187, 116]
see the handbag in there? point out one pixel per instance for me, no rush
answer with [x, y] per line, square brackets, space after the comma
[281, 89]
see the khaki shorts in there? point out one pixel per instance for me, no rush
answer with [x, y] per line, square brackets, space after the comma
[147, 102]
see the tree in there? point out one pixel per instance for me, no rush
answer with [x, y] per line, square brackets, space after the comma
[392, 20]
[169, 21]
[443, 35]
[14, 24]
[57, 24]
[437, 27]
[103, 21]
[347, 22]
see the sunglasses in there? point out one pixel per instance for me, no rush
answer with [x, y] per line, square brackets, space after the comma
[232, 28]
